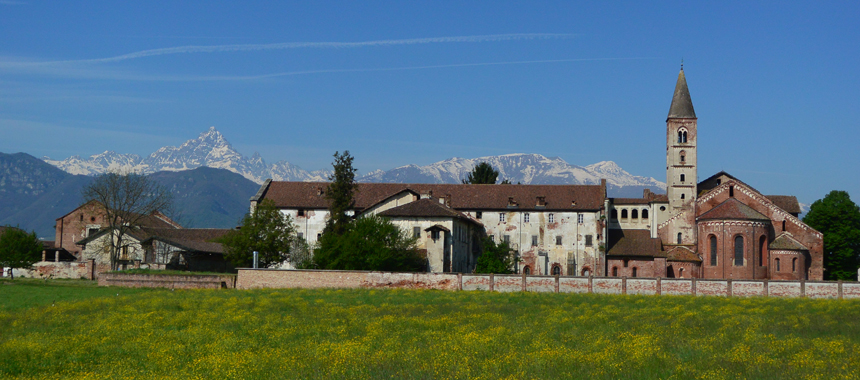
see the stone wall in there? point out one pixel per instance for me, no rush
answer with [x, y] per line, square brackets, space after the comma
[167, 281]
[274, 278]
[61, 269]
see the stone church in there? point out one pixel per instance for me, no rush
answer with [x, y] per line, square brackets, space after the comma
[720, 227]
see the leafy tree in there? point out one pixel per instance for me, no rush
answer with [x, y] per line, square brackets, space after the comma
[126, 200]
[340, 192]
[483, 173]
[18, 249]
[369, 243]
[266, 230]
[495, 258]
[838, 218]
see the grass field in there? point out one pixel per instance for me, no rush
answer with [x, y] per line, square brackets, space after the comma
[71, 329]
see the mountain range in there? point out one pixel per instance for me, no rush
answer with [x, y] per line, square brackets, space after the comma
[211, 149]
[34, 194]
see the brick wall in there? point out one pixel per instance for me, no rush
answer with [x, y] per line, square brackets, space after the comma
[273, 278]
[167, 281]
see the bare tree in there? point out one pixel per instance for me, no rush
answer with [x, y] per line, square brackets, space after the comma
[127, 202]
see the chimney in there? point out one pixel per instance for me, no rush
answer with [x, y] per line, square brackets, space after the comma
[319, 191]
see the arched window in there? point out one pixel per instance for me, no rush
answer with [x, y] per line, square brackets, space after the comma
[683, 156]
[713, 241]
[683, 177]
[679, 238]
[624, 214]
[614, 214]
[794, 264]
[556, 270]
[680, 136]
[685, 136]
[680, 272]
[586, 272]
[739, 250]
[682, 196]
[777, 264]
[634, 271]
[527, 270]
[762, 243]
[614, 271]
[645, 213]
[634, 214]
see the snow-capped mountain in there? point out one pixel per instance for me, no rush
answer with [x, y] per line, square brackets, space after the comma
[211, 149]
[516, 168]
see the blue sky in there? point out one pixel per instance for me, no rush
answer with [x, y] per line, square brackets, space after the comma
[775, 84]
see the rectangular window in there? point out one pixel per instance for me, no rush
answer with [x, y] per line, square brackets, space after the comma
[416, 232]
[534, 241]
[507, 239]
[301, 236]
[588, 242]
[434, 234]
[580, 218]
[558, 240]
[551, 218]
[319, 236]
[301, 212]
[493, 238]
[501, 217]
[479, 214]
[92, 231]
[526, 218]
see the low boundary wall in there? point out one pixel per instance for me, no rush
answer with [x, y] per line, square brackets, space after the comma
[168, 281]
[278, 278]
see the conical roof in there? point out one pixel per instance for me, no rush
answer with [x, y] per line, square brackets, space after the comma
[682, 105]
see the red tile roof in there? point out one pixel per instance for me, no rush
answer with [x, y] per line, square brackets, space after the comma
[427, 207]
[786, 242]
[462, 197]
[732, 209]
[681, 253]
[633, 243]
[786, 202]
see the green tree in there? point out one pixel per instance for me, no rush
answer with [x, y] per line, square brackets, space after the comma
[838, 218]
[266, 230]
[340, 192]
[369, 243]
[495, 258]
[483, 173]
[18, 249]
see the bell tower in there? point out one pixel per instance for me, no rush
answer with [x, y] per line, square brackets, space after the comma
[681, 173]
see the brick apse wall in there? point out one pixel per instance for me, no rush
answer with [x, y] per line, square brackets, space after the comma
[274, 278]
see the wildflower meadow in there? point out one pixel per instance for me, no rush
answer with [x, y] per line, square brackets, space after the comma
[78, 331]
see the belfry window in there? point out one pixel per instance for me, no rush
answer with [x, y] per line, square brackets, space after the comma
[679, 238]
[682, 136]
[683, 177]
[683, 156]
[682, 196]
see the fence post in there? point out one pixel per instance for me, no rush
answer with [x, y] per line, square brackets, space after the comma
[591, 284]
[729, 282]
[459, 281]
[659, 286]
[624, 285]
[556, 283]
[524, 282]
[766, 288]
[693, 286]
[839, 292]
[803, 288]
[492, 281]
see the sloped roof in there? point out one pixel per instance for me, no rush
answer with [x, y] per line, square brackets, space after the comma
[470, 197]
[427, 207]
[633, 243]
[786, 242]
[788, 203]
[682, 105]
[732, 209]
[630, 201]
[681, 253]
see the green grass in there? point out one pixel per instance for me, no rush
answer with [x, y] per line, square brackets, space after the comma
[374, 334]
[26, 293]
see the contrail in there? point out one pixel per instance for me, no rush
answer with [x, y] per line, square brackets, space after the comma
[307, 72]
[317, 45]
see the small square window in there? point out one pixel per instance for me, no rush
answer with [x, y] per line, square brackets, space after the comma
[558, 240]
[479, 214]
[588, 242]
[416, 232]
[507, 239]
[300, 235]
[580, 218]
[301, 212]
[534, 241]
[526, 218]
[501, 217]
[434, 234]
[551, 218]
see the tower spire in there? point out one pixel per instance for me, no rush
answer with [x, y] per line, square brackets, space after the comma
[682, 105]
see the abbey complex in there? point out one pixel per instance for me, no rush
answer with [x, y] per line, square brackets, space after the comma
[720, 227]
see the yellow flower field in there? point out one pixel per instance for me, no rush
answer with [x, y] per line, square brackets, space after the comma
[373, 334]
